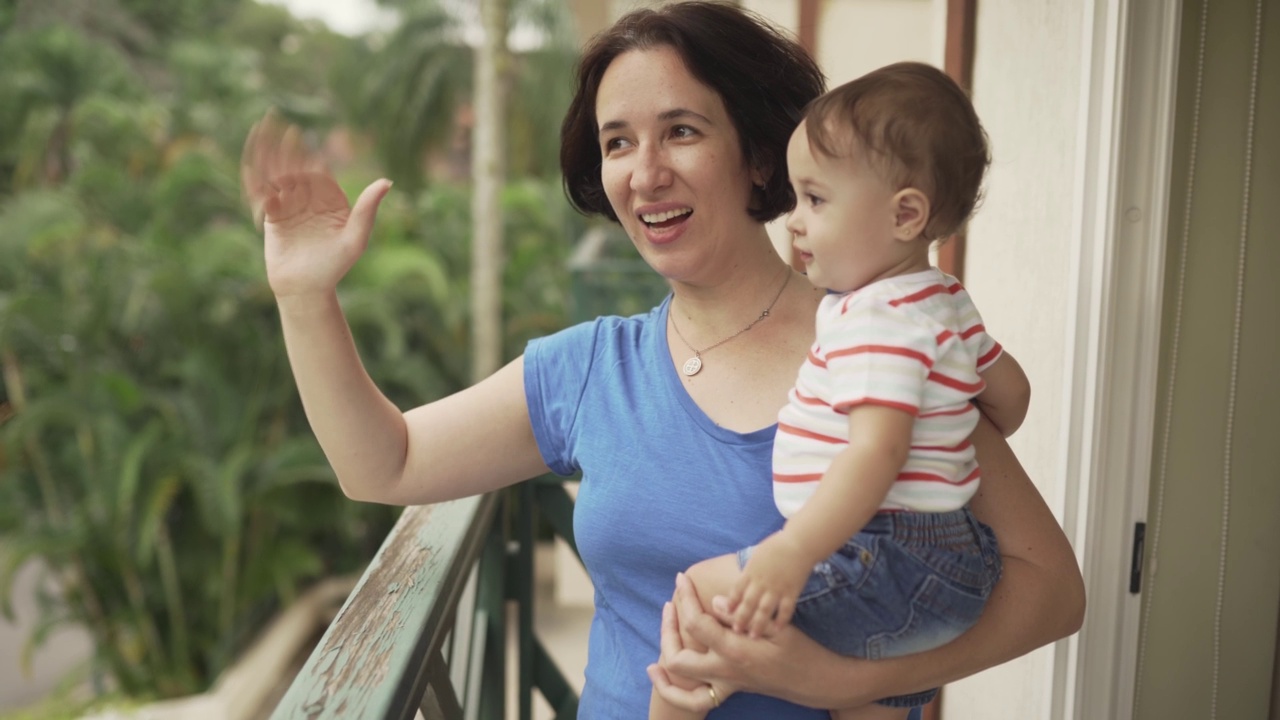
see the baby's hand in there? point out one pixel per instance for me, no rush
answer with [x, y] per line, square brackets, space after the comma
[764, 598]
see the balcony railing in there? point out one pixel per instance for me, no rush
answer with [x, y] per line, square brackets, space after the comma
[426, 627]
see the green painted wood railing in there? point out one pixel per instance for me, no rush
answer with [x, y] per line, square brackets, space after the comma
[425, 627]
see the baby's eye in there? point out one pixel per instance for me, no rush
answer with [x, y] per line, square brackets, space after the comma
[814, 200]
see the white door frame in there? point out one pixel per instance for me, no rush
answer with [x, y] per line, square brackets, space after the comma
[1113, 335]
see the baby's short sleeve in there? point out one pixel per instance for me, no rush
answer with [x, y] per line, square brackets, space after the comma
[878, 354]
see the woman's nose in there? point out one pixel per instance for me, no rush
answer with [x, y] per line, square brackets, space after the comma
[651, 172]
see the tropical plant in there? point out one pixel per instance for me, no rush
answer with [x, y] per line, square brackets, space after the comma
[153, 452]
[420, 83]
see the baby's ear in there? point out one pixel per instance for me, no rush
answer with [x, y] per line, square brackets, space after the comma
[910, 214]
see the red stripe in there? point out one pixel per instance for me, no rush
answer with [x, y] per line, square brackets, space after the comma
[943, 413]
[991, 355]
[954, 448]
[944, 336]
[881, 350]
[805, 399]
[918, 296]
[817, 360]
[796, 478]
[801, 432]
[923, 477]
[954, 288]
[846, 406]
[972, 331]
[956, 384]
[930, 477]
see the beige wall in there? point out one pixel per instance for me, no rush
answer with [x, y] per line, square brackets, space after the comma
[1027, 76]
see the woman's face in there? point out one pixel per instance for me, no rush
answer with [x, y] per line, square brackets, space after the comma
[671, 164]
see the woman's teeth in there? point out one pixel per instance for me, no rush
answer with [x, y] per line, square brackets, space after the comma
[655, 218]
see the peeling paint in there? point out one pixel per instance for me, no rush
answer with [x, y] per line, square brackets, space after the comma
[367, 653]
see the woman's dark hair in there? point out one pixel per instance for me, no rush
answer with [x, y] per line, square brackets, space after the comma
[764, 78]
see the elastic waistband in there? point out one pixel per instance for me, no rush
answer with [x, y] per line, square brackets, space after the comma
[930, 529]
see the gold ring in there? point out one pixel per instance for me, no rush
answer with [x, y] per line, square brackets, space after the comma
[715, 699]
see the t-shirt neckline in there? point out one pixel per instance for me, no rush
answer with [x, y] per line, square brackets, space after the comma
[676, 386]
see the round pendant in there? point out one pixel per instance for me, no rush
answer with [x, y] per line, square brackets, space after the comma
[692, 366]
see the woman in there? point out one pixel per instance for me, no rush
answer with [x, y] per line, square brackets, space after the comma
[678, 131]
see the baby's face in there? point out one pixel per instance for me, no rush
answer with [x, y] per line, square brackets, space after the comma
[845, 216]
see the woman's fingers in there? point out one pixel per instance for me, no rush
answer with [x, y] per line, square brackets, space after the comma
[697, 699]
[702, 630]
[366, 207]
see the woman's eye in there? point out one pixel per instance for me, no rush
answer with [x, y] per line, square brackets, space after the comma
[683, 131]
[616, 143]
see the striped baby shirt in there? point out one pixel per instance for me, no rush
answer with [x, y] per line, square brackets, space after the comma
[913, 342]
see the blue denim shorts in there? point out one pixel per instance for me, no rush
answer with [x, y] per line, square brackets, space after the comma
[908, 582]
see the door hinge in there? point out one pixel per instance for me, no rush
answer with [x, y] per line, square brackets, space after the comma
[1135, 565]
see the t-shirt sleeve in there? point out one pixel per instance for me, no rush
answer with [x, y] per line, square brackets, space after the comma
[556, 369]
[878, 355]
[974, 330]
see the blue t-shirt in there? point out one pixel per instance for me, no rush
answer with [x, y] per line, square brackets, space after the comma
[662, 488]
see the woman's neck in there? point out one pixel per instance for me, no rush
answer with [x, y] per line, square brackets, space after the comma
[713, 308]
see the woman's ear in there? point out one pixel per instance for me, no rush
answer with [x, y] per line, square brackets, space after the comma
[910, 214]
[760, 176]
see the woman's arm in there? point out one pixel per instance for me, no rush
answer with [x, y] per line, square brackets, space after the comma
[471, 442]
[1007, 396]
[1039, 599]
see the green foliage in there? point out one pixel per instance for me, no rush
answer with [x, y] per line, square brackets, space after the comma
[420, 86]
[153, 451]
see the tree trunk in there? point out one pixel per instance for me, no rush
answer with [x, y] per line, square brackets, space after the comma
[488, 174]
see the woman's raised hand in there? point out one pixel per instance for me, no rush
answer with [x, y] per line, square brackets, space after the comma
[313, 235]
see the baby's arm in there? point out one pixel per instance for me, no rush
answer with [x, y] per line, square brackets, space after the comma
[849, 493]
[1007, 395]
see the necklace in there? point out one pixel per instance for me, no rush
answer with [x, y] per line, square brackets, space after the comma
[694, 364]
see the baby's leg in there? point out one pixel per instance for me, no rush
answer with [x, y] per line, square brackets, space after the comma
[871, 712]
[709, 578]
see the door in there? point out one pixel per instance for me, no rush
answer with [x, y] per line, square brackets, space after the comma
[1211, 589]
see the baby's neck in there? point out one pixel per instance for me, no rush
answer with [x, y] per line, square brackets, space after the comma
[914, 262]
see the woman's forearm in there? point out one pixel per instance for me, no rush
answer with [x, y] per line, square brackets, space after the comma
[1025, 612]
[362, 433]
[1039, 599]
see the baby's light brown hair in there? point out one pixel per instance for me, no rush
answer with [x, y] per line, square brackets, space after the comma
[917, 128]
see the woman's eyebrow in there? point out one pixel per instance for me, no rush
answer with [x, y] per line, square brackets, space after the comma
[664, 116]
[678, 113]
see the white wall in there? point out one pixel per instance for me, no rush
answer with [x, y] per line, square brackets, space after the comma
[1027, 75]
[858, 36]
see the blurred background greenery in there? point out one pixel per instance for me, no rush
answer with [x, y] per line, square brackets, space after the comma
[153, 452]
